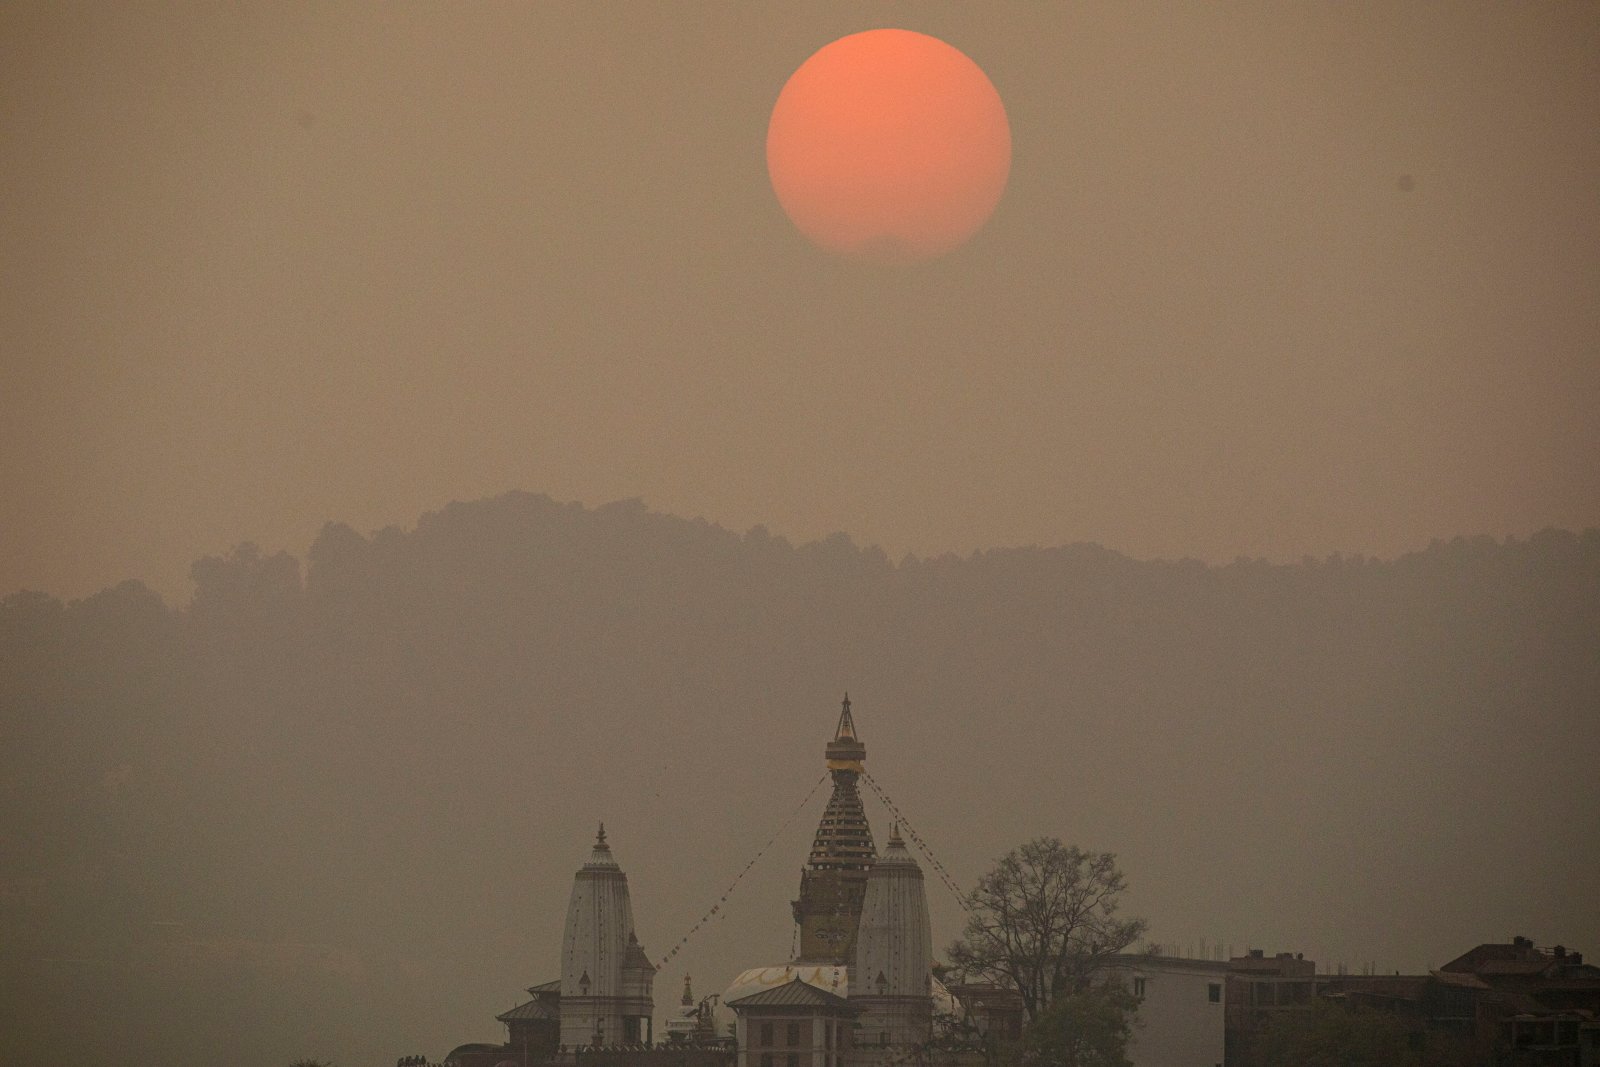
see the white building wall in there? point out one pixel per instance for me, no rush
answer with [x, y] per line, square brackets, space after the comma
[1178, 1024]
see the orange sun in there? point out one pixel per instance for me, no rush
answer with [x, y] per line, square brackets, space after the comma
[889, 145]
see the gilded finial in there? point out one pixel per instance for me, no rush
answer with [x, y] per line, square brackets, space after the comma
[845, 751]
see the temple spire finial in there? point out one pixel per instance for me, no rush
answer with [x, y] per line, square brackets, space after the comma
[847, 722]
[600, 838]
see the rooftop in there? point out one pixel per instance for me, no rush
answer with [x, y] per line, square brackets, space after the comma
[793, 994]
[533, 1009]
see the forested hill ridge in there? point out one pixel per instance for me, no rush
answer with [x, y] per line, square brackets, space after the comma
[333, 808]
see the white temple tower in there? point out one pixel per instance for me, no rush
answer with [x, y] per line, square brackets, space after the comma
[605, 975]
[891, 974]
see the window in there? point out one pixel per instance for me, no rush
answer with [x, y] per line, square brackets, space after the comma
[1214, 992]
[766, 1059]
[1138, 988]
[883, 1038]
[794, 1060]
[827, 1035]
[793, 1034]
[766, 1037]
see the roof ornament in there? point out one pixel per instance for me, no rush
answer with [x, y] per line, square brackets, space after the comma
[847, 724]
[600, 838]
[895, 840]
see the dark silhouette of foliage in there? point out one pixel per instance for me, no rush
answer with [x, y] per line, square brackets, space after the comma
[1088, 1027]
[1331, 1034]
[1042, 920]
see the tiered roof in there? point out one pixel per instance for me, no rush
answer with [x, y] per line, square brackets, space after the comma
[844, 840]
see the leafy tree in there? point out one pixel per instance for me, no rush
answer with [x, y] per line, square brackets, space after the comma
[1331, 1034]
[1088, 1027]
[1042, 920]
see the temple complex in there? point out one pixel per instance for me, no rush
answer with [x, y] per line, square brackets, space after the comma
[859, 993]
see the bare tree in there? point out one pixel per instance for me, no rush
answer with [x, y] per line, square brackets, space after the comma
[1042, 920]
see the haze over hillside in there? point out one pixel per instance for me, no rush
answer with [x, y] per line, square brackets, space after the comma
[333, 807]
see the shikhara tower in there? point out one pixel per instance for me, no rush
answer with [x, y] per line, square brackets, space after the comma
[606, 978]
[891, 976]
[834, 881]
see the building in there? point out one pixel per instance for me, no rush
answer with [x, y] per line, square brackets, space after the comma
[605, 976]
[1544, 1005]
[984, 1014]
[891, 974]
[1258, 986]
[794, 1025]
[1555, 978]
[1499, 1004]
[533, 1028]
[1181, 1020]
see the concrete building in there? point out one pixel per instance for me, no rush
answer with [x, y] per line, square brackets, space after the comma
[1256, 987]
[1501, 1004]
[1556, 978]
[1181, 1020]
[989, 1013]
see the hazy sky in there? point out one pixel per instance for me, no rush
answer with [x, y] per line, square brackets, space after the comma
[1268, 280]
